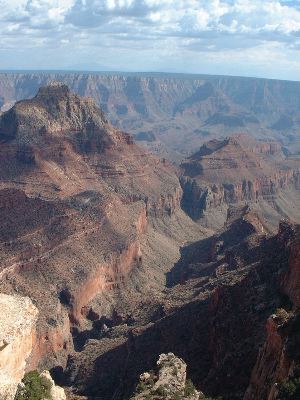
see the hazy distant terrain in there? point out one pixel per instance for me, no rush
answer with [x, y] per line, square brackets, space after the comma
[176, 113]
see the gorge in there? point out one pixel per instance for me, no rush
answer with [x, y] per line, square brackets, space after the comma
[173, 114]
[127, 255]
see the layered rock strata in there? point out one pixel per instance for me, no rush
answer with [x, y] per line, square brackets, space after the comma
[237, 170]
[76, 195]
[182, 111]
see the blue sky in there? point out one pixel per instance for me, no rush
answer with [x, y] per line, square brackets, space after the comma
[235, 37]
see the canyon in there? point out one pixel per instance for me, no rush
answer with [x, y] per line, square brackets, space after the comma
[78, 205]
[217, 318]
[173, 114]
[128, 255]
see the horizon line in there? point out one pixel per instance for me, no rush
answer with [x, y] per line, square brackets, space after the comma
[145, 73]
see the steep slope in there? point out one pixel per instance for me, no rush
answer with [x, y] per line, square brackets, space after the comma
[79, 201]
[240, 170]
[279, 359]
[214, 318]
[182, 111]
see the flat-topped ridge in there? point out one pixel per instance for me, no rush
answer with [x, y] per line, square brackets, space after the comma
[53, 88]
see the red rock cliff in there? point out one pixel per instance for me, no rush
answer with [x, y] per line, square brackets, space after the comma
[278, 356]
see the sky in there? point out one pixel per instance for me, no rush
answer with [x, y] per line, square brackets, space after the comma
[226, 37]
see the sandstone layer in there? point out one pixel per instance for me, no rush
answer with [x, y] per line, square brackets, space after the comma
[18, 318]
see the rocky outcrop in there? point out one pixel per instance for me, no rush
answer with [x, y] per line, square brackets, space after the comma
[56, 392]
[18, 318]
[105, 277]
[272, 365]
[236, 170]
[169, 383]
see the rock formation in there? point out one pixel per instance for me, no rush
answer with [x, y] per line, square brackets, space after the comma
[169, 383]
[79, 201]
[182, 111]
[279, 357]
[222, 293]
[56, 392]
[17, 335]
[240, 169]
[93, 231]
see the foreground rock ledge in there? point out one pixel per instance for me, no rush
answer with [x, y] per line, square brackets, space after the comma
[18, 317]
[169, 383]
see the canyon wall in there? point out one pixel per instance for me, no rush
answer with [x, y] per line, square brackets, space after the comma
[239, 170]
[75, 197]
[18, 318]
[278, 359]
[199, 198]
[181, 111]
[214, 319]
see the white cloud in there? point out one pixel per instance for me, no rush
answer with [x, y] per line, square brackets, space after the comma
[147, 34]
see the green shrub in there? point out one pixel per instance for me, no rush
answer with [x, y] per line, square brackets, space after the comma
[290, 389]
[189, 388]
[34, 387]
[178, 396]
[141, 387]
[161, 391]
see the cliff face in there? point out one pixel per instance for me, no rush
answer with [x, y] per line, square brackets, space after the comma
[278, 358]
[236, 170]
[17, 326]
[291, 281]
[182, 111]
[76, 195]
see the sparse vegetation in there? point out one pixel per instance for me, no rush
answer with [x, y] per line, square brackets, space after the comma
[290, 388]
[189, 388]
[33, 387]
[141, 387]
[161, 391]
